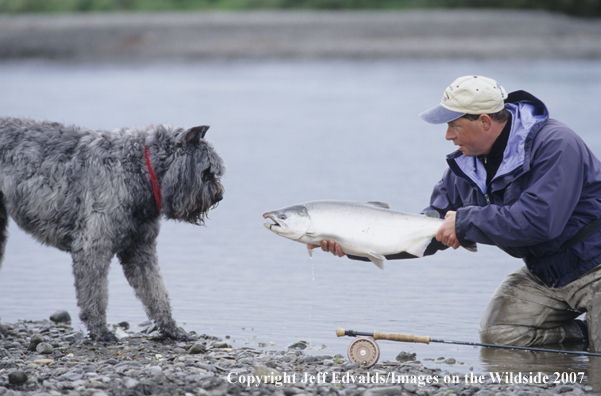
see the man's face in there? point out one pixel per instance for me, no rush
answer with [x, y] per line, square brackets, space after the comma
[470, 136]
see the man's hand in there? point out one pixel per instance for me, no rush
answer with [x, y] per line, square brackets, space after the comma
[446, 232]
[330, 246]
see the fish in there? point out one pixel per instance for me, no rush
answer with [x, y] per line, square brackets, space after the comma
[364, 229]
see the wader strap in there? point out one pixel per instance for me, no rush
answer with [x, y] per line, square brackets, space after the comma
[585, 232]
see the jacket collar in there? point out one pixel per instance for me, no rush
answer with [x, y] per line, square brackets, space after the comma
[528, 115]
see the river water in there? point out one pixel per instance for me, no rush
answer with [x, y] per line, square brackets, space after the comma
[291, 132]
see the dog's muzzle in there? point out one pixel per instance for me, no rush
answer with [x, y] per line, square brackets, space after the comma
[218, 196]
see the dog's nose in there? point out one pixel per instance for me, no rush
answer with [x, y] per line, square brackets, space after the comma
[218, 197]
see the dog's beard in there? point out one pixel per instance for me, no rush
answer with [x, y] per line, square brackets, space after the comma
[198, 216]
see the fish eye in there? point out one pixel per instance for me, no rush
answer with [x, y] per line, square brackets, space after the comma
[282, 217]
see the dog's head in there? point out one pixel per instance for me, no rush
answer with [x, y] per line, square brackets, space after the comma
[191, 185]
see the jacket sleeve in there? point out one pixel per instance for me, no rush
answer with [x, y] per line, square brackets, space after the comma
[548, 196]
[444, 196]
[441, 202]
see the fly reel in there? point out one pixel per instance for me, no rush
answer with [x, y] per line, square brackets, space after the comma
[364, 351]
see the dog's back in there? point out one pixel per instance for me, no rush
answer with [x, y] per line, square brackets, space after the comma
[51, 174]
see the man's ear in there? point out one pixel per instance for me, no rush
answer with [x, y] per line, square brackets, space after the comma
[193, 135]
[485, 121]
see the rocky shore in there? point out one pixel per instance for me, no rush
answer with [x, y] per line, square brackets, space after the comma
[47, 358]
[260, 35]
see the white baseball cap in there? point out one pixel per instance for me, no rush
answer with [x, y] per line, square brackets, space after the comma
[467, 95]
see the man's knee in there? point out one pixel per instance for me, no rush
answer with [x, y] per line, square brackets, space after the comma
[506, 335]
[516, 335]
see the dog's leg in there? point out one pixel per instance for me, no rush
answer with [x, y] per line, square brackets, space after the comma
[90, 268]
[3, 227]
[141, 268]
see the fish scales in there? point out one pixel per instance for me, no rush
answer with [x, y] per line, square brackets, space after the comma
[360, 227]
[369, 230]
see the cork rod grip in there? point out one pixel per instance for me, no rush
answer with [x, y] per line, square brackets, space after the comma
[401, 337]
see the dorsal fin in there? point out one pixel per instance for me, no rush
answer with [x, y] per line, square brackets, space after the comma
[382, 205]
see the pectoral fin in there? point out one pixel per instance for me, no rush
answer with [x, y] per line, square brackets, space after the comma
[377, 259]
[471, 248]
[310, 251]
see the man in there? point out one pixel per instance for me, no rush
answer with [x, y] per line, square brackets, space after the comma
[529, 185]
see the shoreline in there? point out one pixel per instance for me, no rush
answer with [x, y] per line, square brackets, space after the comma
[47, 358]
[299, 35]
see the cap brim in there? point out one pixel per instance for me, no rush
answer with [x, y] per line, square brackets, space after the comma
[440, 115]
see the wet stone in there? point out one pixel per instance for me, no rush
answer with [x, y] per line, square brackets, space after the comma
[17, 377]
[44, 348]
[140, 364]
[61, 317]
[310, 359]
[384, 391]
[197, 348]
[565, 388]
[124, 325]
[298, 345]
[35, 341]
[405, 356]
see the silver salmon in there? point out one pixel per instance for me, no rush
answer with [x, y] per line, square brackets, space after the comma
[370, 230]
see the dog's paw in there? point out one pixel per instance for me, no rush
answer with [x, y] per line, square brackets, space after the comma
[176, 333]
[104, 336]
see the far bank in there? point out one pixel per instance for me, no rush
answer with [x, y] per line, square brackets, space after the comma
[435, 34]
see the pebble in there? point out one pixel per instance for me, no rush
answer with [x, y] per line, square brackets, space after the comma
[298, 345]
[67, 362]
[197, 348]
[405, 356]
[17, 377]
[61, 317]
[43, 361]
[35, 341]
[44, 348]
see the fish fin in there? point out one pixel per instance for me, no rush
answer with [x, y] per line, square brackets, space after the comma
[419, 247]
[382, 205]
[471, 248]
[377, 259]
[432, 213]
[310, 251]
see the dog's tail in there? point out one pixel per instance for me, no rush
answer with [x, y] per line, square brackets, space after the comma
[3, 227]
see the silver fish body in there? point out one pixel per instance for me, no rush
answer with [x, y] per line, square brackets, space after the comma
[369, 230]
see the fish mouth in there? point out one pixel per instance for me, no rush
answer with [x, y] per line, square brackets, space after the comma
[275, 226]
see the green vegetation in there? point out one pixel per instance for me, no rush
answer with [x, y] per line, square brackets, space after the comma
[586, 8]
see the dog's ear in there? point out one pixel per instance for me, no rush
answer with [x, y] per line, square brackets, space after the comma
[193, 135]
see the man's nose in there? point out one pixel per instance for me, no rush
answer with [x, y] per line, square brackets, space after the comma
[450, 135]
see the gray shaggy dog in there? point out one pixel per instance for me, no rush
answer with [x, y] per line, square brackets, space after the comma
[96, 194]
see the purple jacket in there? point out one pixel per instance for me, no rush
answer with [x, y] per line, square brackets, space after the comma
[547, 188]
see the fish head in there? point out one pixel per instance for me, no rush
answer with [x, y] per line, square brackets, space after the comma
[291, 222]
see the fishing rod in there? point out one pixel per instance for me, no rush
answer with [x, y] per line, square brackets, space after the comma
[365, 351]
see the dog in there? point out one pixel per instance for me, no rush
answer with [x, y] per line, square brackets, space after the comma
[97, 194]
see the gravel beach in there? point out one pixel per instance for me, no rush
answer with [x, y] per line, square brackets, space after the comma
[47, 358]
[261, 35]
